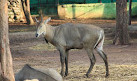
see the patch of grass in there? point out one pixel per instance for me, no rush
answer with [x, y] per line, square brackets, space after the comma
[42, 47]
[18, 30]
[47, 47]
[108, 41]
[117, 73]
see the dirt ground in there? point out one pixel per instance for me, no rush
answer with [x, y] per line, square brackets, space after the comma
[27, 49]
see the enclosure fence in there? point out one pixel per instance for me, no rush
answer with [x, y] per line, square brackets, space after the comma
[49, 7]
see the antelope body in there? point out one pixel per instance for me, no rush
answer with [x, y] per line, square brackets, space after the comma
[27, 73]
[74, 36]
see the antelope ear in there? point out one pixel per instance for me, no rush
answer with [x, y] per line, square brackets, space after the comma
[46, 21]
[36, 20]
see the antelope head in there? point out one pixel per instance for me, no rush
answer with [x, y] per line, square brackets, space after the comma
[41, 26]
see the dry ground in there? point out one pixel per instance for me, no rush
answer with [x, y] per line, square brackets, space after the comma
[27, 49]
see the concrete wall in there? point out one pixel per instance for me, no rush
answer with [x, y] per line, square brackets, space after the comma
[94, 10]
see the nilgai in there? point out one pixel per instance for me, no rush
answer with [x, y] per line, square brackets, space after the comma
[27, 73]
[74, 36]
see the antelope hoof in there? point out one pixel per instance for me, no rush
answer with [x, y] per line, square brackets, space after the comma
[62, 74]
[107, 75]
[87, 75]
[66, 74]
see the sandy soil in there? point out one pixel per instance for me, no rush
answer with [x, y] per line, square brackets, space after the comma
[27, 49]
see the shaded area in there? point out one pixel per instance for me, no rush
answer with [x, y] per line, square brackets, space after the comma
[26, 48]
[117, 73]
[49, 7]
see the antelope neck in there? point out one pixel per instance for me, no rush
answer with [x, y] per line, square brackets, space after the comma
[49, 33]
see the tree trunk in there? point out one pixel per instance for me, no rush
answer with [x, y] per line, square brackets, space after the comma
[130, 11]
[6, 69]
[99, 1]
[22, 12]
[26, 9]
[121, 34]
[57, 2]
[84, 1]
[47, 1]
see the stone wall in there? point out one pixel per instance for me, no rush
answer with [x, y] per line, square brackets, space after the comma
[15, 11]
